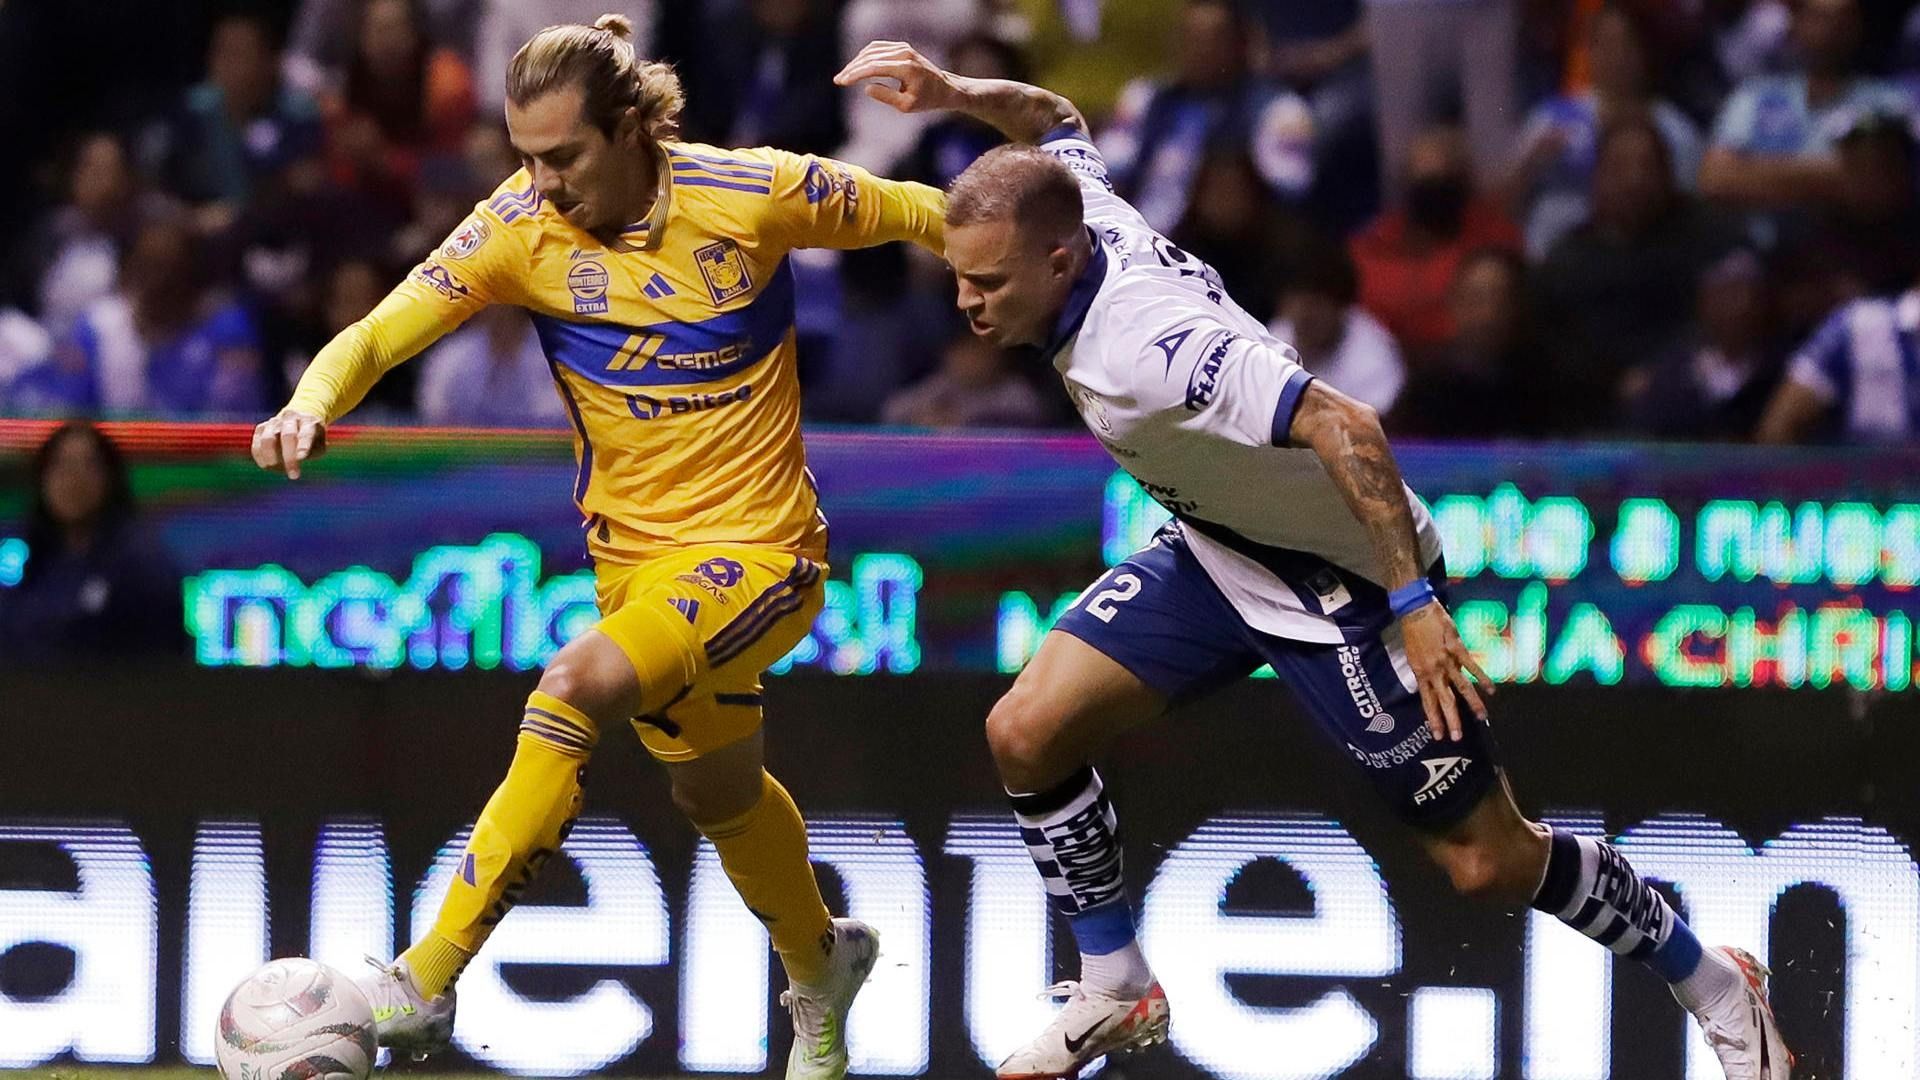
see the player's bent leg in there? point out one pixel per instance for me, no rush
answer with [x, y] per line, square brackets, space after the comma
[1590, 886]
[1361, 693]
[762, 841]
[522, 825]
[1068, 703]
[1495, 854]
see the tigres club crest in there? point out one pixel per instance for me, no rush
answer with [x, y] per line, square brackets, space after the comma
[724, 269]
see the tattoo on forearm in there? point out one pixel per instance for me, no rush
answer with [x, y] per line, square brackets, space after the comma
[1362, 466]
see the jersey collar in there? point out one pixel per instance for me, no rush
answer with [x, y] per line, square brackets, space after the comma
[1079, 299]
[645, 235]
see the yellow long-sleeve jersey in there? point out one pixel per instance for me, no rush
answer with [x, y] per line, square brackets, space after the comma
[673, 349]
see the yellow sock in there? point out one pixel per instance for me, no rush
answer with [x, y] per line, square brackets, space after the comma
[764, 852]
[520, 829]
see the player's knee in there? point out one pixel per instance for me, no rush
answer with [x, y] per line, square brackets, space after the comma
[1020, 738]
[694, 803]
[586, 677]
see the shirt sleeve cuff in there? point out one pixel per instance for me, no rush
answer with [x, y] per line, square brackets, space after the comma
[1288, 404]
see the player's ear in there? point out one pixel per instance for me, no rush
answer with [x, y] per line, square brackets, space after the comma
[628, 131]
[1060, 262]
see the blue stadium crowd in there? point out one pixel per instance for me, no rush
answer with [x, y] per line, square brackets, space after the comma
[1670, 219]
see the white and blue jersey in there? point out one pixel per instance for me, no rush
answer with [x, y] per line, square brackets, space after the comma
[1265, 562]
[1864, 364]
[1195, 399]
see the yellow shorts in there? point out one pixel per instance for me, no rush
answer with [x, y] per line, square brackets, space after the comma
[700, 626]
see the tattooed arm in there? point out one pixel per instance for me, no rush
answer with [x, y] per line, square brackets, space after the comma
[1346, 435]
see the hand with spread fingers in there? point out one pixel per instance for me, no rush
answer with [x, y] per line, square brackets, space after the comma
[1441, 664]
[287, 440]
[923, 85]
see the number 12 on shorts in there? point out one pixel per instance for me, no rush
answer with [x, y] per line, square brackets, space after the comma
[1124, 587]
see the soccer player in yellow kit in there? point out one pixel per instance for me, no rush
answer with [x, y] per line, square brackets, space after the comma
[657, 278]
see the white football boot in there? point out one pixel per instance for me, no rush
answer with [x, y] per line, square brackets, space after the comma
[404, 1019]
[1741, 1029]
[1088, 1026]
[820, 1012]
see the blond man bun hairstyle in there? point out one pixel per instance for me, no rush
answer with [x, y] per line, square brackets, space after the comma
[600, 60]
[618, 25]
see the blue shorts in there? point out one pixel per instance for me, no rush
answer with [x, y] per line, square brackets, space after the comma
[1162, 618]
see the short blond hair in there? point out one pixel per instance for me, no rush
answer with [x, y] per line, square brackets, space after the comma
[1021, 184]
[600, 60]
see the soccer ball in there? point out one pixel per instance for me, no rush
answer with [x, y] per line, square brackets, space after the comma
[296, 1019]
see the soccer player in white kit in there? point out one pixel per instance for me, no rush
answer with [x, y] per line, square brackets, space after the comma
[1294, 543]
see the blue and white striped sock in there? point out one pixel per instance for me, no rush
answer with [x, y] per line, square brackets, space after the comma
[1590, 886]
[1074, 836]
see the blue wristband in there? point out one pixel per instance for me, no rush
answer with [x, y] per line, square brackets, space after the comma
[1411, 597]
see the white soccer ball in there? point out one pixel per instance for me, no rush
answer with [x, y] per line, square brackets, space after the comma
[296, 1019]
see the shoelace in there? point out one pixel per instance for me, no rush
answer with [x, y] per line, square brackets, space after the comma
[811, 1019]
[1066, 990]
[389, 971]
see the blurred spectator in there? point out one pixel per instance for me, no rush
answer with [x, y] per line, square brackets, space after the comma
[1714, 385]
[976, 385]
[75, 256]
[238, 131]
[1619, 289]
[1336, 339]
[1553, 170]
[951, 142]
[490, 373]
[1430, 56]
[1235, 226]
[96, 587]
[505, 25]
[489, 154]
[1907, 54]
[1773, 143]
[1857, 379]
[353, 286]
[441, 201]
[403, 98]
[321, 45]
[895, 312]
[1162, 132]
[1485, 380]
[1866, 242]
[164, 343]
[24, 345]
[1319, 50]
[763, 76]
[1751, 38]
[1409, 256]
[70, 68]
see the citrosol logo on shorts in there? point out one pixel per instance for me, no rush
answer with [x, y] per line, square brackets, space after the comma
[1360, 689]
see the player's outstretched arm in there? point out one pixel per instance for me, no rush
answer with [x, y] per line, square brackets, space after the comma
[451, 284]
[1021, 112]
[1346, 435]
